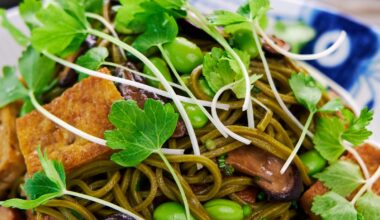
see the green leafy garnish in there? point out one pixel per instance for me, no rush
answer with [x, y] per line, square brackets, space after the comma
[333, 206]
[226, 18]
[332, 131]
[60, 30]
[11, 87]
[161, 29]
[308, 93]
[140, 133]
[369, 206]
[258, 8]
[43, 186]
[92, 59]
[28, 10]
[36, 69]
[342, 177]
[17, 35]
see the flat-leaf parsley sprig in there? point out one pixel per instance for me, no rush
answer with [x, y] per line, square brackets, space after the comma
[50, 183]
[140, 133]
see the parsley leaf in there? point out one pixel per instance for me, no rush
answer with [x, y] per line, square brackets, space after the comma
[92, 59]
[139, 133]
[306, 91]
[333, 206]
[369, 206]
[28, 10]
[226, 18]
[327, 138]
[357, 132]
[342, 177]
[43, 186]
[161, 29]
[60, 30]
[332, 106]
[11, 87]
[37, 70]
[258, 8]
[125, 17]
[17, 35]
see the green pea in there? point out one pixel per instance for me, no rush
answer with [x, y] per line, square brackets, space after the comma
[243, 40]
[205, 87]
[184, 54]
[170, 211]
[222, 209]
[186, 79]
[197, 118]
[313, 161]
[162, 67]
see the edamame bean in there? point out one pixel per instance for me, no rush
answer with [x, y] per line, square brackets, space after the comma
[223, 209]
[162, 67]
[170, 211]
[197, 117]
[313, 161]
[184, 54]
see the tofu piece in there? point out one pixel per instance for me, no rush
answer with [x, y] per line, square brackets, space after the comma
[12, 164]
[371, 157]
[85, 106]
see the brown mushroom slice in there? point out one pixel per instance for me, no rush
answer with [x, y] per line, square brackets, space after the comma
[265, 167]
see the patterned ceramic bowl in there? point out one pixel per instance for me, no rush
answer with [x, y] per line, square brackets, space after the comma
[355, 66]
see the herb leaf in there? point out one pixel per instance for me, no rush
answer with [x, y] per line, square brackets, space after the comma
[357, 131]
[37, 70]
[139, 133]
[259, 8]
[342, 177]
[40, 185]
[306, 91]
[17, 35]
[60, 30]
[29, 204]
[224, 18]
[327, 138]
[125, 17]
[11, 87]
[28, 10]
[92, 59]
[369, 205]
[333, 206]
[161, 29]
[332, 106]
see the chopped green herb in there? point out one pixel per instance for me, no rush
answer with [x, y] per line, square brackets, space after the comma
[357, 131]
[342, 177]
[11, 86]
[258, 8]
[17, 35]
[28, 10]
[306, 91]
[333, 206]
[369, 206]
[92, 59]
[226, 18]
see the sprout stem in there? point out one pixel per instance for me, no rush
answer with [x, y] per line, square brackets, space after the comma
[367, 186]
[103, 202]
[178, 183]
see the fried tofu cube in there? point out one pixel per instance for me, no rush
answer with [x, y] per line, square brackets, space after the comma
[12, 164]
[85, 106]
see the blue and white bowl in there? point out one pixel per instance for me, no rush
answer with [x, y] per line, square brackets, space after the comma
[355, 66]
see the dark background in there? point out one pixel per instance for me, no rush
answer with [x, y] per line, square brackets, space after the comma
[8, 3]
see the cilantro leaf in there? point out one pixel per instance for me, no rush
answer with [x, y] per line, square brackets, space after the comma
[11, 87]
[327, 138]
[29, 204]
[342, 177]
[53, 170]
[258, 8]
[37, 70]
[92, 59]
[161, 29]
[60, 30]
[217, 69]
[139, 133]
[28, 10]
[357, 131]
[40, 185]
[332, 106]
[224, 18]
[74, 8]
[369, 206]
[126, 17]
[27, 107]
[306, 91]
[17, 35]
[333, 206]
